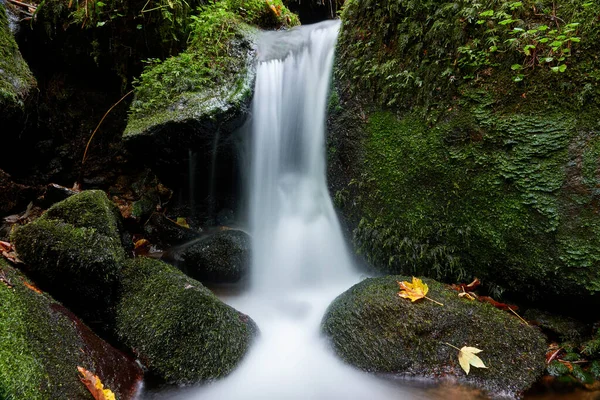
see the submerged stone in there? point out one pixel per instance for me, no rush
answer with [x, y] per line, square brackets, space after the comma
[372, 328]
[43, 343]
[178, 328]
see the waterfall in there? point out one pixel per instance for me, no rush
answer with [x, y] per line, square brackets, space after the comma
[300, 261]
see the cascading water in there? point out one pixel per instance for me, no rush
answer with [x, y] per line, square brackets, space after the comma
[300, 261]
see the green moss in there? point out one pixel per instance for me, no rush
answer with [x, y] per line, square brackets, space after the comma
[88, 209]
[371, 328]
[179, 329]
[16, 79]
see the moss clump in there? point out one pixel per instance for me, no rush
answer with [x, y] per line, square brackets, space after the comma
[16, 79]
[88, 209]
[213, 71]
[178, 328]
[42, 344]
[370, 327]
[74, 252]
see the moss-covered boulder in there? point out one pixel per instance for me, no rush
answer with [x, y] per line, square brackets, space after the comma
[223, 256]
[179, 329]
[195, 100]
[74, 251]
[42, 344]
[469, 153]
[16, 80]
[372, 328]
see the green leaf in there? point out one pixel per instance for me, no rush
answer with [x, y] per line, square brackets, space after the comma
[101, 23]
[487, 13]
[562, 68]
[493, 49]
[506, 21]
[518, 78]
[544, 40]
[100, 4]
[516, 67]
[549, 59]
[479, 22]
[542, 28]
[575, 39]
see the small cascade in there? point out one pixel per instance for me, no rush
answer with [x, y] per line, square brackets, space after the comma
[300, 261]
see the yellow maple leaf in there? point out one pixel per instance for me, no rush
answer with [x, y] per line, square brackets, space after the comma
[95, 386]
[182, 222]
[415, 290]
[467, 357]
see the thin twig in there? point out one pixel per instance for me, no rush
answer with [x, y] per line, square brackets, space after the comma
[100, 123]
[436, 302]
[521, 318]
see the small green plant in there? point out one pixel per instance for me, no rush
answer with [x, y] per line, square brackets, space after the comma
[540, 44]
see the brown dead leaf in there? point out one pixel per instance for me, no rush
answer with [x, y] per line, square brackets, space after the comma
[141, 247]
[467, 287]
[497, 304]
[94, 385]
[8, 251]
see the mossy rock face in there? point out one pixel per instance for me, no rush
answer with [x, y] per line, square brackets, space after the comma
[16, 80]
[179, 329]
[221, 257]
[74, 252]
[455, 168]
[43, 344]
[372, 328]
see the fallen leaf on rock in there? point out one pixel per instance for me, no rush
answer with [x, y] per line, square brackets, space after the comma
[467, 357]
[415, 290]
[467, 295]
[182, 222]
[32, 287]
[94, 385]
[497, 304]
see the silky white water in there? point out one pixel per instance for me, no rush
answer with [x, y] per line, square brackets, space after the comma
[300, 261]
